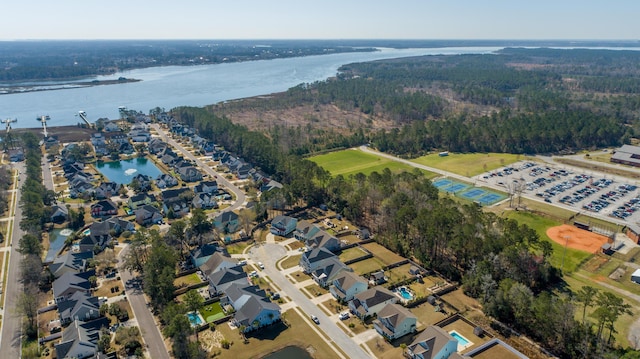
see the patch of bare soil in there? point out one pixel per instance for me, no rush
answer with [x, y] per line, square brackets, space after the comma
[305, 116]
[65, 134]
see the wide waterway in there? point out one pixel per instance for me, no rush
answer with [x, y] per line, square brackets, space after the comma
[173, 86]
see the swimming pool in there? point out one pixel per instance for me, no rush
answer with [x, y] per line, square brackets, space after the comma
[463, 342]
[194, 319]
[405, 293]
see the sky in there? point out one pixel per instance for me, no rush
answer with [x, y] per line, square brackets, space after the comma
[326, 19]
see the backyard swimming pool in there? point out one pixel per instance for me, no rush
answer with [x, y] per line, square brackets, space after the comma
[463, 342]
[194, 319]
[405, 293]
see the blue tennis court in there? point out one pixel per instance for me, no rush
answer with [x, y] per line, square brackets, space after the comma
[473, 193]
[491, 198]
[455, 187]
[441, 183]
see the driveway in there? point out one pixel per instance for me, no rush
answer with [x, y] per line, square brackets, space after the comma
[10, 340]
[269, 254]
[240, 196]
[148, 327]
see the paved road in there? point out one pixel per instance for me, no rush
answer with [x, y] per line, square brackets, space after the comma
[269, 254]
[240, 196]
[148, 327]
[10, 341]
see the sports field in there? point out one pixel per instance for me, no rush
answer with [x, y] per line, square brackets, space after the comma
[576, 238]
[350, 162]
[468, 164]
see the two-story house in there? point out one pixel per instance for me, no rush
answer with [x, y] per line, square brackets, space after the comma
[346, 285]
[313, 259]
[189, 174]
[74, 262]
[80, 340]
[432, 343]
[330, 269]
[283, 225]
[104, 208]
[70, 283]
[147, 215]
[371, 301]
[140, 199]
[80, 306]
[395, 321]
[227, 222]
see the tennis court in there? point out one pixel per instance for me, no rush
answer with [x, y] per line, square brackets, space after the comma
[456, 187]
[441, 183]
[482, 196]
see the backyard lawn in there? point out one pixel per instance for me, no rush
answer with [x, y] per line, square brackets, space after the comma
[383, 253]
[212, 312]
[468, 164]
[351, 253]
[186, 280]
[367, 266]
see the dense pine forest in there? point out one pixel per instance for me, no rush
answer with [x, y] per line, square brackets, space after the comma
[517, 100]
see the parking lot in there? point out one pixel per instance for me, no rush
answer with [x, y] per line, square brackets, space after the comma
[584, 192]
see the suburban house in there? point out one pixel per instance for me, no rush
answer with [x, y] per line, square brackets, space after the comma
[80, 306]
[323, 240]
[204, 201]
[59, 213]
[202, 254]
[189, 174]
[143, 181]
[432, 343]
[209, 187]
[119, 225]
[253, 309]
[305, 230]
[330, 269]
[98, 238]
[140, 200]
[346, 285]
[227, 222]
[216, 261]
[111, 126]
[172, 201]
[80, 340]
[221, 279]
[70, 283]
[314, 259]
[16, 155]
[283, 225]
[74, 262]
[395, 321]
[148, 214]
[107, 190]
[165, 180]
[371, 301]
[156, 146]
[104, 208]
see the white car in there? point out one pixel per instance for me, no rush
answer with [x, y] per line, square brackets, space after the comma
[344, 315]
[260, 265]
[242, 262]
[315, 319]
[253, 274]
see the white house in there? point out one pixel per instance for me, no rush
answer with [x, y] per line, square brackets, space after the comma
[283, 225]
[635, 276]
[432, 343]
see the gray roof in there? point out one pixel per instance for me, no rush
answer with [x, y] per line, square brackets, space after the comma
[69, 308]
[374, 296]
[71, 260]
[216, 262]
[75, 281]
[430, 342]
[331, 268]
[394, 314]
[252, 308]
[318, 254]
[228, 275]
[348, 279]
[80, 337]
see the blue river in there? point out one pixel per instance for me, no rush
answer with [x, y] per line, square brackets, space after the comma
[172, 86]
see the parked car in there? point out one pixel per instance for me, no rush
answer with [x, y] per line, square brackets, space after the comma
[344, 315]
[260, 265]
[275, 296]
[315, 319]
[253, 274]
[242, 262]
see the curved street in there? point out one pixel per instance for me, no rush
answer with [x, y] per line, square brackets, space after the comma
[269, 254]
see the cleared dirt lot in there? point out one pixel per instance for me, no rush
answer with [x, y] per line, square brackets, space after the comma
[577, 238]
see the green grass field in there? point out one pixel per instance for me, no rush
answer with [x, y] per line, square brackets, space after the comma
[572, 259]
[468, 164]
[350, 162]
[211, 312]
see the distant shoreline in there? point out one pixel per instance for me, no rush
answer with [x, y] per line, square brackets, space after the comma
[8, 90]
